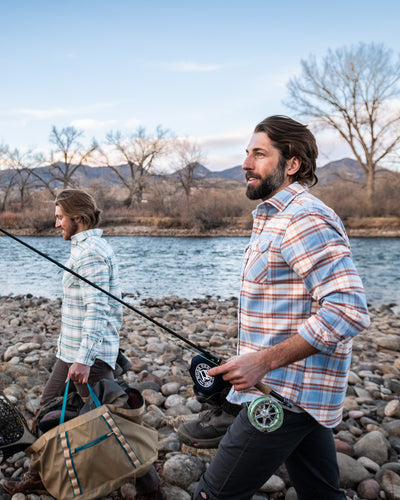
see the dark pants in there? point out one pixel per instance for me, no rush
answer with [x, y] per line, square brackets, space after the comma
[55, 386]
[247, 458]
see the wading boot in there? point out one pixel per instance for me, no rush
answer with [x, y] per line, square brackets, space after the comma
[30, 483]
[208, 430]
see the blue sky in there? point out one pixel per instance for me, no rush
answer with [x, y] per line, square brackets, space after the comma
[209, 70]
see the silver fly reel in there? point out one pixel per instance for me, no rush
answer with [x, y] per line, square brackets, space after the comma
[265, 414]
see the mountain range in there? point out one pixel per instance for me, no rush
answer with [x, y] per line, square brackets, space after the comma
[345, 169]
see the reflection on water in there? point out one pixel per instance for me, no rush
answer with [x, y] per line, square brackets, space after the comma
[188, 267]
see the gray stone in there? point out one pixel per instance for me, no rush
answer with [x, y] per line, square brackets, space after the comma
[390, 483]
[351, 472]
[374, 446]
[182, 470]
[273, 485]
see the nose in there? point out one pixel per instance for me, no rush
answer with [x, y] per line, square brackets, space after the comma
[247, 164]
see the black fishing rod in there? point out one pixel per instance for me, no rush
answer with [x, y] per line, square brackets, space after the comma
[208, 355]
[264, 413]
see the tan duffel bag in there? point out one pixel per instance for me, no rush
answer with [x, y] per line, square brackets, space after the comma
[95, 453]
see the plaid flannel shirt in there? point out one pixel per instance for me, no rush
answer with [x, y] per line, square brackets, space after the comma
[90, 320]
[298, 277]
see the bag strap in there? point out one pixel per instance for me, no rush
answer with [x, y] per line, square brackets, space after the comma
[64, 405]
[69, 464]
[134, 459]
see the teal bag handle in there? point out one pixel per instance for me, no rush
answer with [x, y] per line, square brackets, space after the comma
[96, 400]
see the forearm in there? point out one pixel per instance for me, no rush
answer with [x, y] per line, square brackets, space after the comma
[293, 349]
[245, 370]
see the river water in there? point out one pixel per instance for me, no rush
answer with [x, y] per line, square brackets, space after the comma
[188, 267]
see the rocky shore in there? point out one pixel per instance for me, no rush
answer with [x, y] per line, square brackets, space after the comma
[367, 440]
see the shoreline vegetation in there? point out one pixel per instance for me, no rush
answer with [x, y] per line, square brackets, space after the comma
[360, 227]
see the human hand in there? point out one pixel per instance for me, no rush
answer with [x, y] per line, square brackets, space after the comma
[242, 371]
[79, 373]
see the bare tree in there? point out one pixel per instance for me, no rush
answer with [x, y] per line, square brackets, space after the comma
[140, 152]
[7, 178]
[21, 167]
[69, 155]
[188, 156]
[353, 91]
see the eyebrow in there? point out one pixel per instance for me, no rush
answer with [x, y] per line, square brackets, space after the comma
[256, 150]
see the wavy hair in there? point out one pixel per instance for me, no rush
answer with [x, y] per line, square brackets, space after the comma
[77, 203]
[292, 138]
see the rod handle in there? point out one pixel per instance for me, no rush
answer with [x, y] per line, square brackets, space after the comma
[264, 388]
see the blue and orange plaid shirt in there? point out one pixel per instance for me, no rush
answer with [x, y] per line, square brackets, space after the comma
[90, 320]
[298, 277]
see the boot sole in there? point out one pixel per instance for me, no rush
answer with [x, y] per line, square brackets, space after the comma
[200, 443]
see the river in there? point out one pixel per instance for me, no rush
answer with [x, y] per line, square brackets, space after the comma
[188, 267]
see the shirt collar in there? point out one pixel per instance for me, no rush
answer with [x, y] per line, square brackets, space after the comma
[282, 199]
[83, 235]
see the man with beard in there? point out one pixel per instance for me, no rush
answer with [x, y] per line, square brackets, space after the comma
[301, 303]
[88, 344]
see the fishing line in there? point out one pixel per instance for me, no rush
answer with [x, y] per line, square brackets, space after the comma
[210, 357]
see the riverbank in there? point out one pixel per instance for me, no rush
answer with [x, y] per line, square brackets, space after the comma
[364, 227]
[367, 441]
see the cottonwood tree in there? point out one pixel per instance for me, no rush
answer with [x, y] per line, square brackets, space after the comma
[141, 152]
[68, 156]
[188, 156]
[21, 165]
[354, 91]
[7, 178]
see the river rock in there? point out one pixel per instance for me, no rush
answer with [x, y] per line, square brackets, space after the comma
[390, 483]
[160, 371]
[351, 472]
[273, 485]
[182, 470]
[374, 446]
[369, 489]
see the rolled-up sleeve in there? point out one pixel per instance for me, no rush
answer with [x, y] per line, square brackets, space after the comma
[317, 249]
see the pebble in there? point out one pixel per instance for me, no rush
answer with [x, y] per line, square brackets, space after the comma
[367, 440]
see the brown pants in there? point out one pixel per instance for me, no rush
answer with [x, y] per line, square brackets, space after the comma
[55, 386]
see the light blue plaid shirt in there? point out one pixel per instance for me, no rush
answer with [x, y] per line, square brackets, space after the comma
[298, 277]
[90, 319]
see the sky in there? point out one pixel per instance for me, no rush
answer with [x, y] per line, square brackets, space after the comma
[208, 70]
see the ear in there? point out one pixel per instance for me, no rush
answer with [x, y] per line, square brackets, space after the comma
[293, 165]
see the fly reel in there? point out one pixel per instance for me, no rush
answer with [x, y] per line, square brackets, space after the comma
[206, 388]
[265, 414]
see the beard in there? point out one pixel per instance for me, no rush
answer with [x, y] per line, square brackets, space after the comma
[70, 231]
[268, 185]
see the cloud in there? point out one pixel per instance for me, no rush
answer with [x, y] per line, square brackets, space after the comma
[89, 124]
[27, 114]
[190, 67]
[40, 114]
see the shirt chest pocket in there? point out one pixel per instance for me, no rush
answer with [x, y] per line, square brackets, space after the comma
[256, 262]
[70, 281]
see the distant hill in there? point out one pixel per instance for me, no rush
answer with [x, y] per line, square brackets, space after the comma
[345, 169]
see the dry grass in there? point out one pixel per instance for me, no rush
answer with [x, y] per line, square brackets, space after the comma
[211, 207]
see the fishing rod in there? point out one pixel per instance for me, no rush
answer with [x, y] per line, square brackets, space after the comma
[265, 413]
[208, 355]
